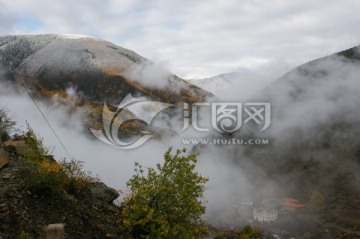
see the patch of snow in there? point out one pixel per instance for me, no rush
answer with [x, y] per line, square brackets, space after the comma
[213, 84]
[74, 36]
[236, 85]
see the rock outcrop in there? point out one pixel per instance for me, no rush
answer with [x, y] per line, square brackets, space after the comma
[20, 146]
[4, 158]
[103, 192]
[25, 214]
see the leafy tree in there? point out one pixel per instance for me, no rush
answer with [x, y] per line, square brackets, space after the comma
[167, 202]
[316, 202]
[6, 125]
[36, 149]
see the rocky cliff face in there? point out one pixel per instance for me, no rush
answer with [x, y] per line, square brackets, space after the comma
[88, 213]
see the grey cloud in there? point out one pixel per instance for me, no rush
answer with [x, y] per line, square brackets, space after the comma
[195, 36]
[6, 20]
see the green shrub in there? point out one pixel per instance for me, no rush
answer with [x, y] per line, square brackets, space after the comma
[45, 176]
[247, 232]
[48, 176]
[25, 235]
[37, 151]
[6, 125]
[167, 202]
[77, 178]
[316, 202]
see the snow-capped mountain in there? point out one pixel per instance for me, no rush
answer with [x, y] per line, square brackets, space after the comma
[100, 70]
[215, 84]
[241, 85]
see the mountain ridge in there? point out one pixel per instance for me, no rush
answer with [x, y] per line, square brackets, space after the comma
[96, 70]
[56, 61]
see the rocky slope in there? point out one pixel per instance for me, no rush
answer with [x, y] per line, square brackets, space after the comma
[24, 214]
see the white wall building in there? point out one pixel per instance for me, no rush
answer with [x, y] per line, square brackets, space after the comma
[265, 214]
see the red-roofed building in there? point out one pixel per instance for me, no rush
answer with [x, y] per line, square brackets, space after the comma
[291, 203]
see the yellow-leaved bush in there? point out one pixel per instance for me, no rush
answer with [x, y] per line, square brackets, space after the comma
[166, 202]
[46, 175]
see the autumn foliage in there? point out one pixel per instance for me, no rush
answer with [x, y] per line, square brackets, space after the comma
[166, 202]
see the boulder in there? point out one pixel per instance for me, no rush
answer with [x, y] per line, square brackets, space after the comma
[101, 191]
[4, 158]
[20, 146]
[55, 231]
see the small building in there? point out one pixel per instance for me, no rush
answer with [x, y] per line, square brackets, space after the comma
[291, 203]
[265, 212]
[265, 215]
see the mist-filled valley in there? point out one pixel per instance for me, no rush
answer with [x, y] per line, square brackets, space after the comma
[282, 160]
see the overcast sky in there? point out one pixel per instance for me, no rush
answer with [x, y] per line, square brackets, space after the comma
[196, 39]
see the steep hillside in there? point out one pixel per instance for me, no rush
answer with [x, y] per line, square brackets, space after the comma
[26, 211]
[314, 143]
[98, 71]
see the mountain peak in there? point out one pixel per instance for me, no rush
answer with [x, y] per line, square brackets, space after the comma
[99, 69]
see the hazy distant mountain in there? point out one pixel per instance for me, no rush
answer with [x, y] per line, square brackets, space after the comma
[314, 141]
[216, 83]
[238, 85]
[313, 144]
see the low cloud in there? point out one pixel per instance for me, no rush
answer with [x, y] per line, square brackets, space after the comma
[150, 74]
[313, 96]
[115, 166]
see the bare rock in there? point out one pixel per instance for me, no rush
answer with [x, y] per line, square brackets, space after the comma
[20, 146]
[4, 210]
[4, 158]
[55, 231]
[101, 191]
[7, 176]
